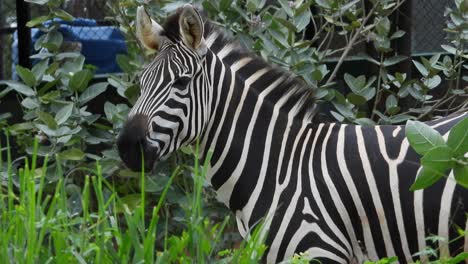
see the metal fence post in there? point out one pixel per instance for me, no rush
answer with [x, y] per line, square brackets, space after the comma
[23, 15]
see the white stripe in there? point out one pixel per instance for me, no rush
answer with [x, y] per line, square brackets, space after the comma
[448, 120]
[226, 50]
[335, 196]
[394, 186]
[318, 199]
[444, 213]
[253, 199]
[444, 216]
[225, 191]
[234, 68]
[211, 38]
[396, 131]
[254, 77]
[304, 230]
[321, 253]
[419, 219]
[220, 80]
[342, 165]
[274, 247]
[374, 192]
[307, 210]
[292, 206]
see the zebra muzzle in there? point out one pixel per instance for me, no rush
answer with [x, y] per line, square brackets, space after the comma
[133, 146]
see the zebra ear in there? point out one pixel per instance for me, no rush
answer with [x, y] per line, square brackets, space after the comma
[191, 29]
[148, 31]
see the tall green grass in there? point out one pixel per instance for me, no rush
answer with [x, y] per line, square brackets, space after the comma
[39, 226]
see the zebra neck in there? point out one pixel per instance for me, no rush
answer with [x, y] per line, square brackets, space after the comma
[251, 111]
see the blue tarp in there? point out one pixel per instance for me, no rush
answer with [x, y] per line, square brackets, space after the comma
[100, 44]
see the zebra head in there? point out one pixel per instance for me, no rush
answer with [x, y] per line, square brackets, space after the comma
[169, 112]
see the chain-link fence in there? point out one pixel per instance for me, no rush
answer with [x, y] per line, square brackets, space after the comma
[428, 23]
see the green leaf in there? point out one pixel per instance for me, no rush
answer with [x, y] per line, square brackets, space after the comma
[72, 154]
[223, 4]
[347, 6]
[356, 84]
[337, 116]
[92, 91]
[394, 60]
[439, 159]
[393, 110]
[210, 7]
[50, 96]
[63, 15]
[5, 91]
[124, 63]
[303, 19]
[26, 75]
[398, 34]
[461, 175]
[432, 82]
[40, 68]
[68, 55]
[130, 201]
[421, 68]
[79, 81]
[449, 49]
[285, 6]
[110, 110]
[363, 121]
[400, 118]
[368, 93]
[64, 113]
[280, 37]
[73, 65]
[422, 137]
[458, 258]
[286, 23]
[383, 26]
[19, 87]
[425, 179]
[323, 3]
[356, 99]
[391, 101]
[53, 40]
[458, 138]
[30, 103]
[37, 20]
[132, 93]
[47, 119]
[344, 109]
[436, 163]
[16, 128]
[38, 2]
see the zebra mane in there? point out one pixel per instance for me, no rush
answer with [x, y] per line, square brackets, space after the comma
[297, 91]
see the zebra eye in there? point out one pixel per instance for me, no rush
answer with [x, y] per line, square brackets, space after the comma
[181, 82]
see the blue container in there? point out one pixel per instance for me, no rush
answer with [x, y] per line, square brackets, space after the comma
[100, 44]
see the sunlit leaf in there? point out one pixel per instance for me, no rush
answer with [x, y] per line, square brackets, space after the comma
[458, 137]
[422, 137]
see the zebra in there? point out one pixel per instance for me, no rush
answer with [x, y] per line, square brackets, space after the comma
[338, 192]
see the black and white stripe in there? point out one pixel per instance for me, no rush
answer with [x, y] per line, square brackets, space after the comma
[339, 192]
